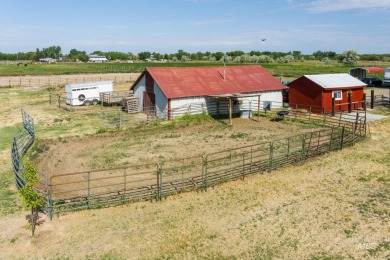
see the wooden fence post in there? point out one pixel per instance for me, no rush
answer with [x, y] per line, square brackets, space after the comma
[349, 102]
[372, 99]
[204, 166]
[120, 120]
[89, 189]
[59, 101]
[158, 183]
[271, 154]
[303, 147]
[333, 106]
[364, 102]
[124, 185]
[230, 112]
[342, 138]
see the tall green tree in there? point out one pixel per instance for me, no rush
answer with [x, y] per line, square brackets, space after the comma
[350, 57]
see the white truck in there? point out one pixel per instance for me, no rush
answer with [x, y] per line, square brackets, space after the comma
[88, 93]
[386, 80]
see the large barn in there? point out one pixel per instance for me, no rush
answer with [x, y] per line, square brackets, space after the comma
[316, 92]
[171, 90]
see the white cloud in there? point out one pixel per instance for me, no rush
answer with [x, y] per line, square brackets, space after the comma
[324, 6]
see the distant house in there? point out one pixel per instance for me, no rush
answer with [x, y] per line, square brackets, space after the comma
[207, 89]
[96, 58]
[315, 92]
[47, 60]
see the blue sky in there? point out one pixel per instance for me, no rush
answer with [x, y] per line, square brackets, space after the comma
[196, 25]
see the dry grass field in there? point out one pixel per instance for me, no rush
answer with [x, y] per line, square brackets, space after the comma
[334, 206]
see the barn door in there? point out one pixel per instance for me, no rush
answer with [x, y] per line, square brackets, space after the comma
[149, 102]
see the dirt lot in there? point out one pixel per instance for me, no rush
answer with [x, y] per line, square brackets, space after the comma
[153, 144]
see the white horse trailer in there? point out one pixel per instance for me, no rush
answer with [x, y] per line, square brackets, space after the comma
[387, 76]
[87, 93]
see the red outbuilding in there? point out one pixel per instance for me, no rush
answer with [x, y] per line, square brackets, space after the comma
[315, 92]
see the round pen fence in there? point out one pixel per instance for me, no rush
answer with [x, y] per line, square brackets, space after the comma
[22, 141]
[154, 181]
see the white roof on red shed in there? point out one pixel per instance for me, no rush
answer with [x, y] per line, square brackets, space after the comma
[338, 80]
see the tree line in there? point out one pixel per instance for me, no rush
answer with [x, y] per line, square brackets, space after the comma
[236, 56]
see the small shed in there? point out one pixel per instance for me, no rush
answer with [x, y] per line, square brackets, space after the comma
[315, 92]
[167, 90]
[362, 71]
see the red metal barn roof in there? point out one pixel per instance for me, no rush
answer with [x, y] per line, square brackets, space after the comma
[205, 81]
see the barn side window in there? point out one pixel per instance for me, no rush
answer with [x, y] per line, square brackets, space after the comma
[337, 95]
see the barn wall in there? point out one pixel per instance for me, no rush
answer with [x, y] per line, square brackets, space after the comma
[276, 97]
[357, 96]
[139, 90]
[214, 106]
[161, 99]
[303, 93]
[149, 83]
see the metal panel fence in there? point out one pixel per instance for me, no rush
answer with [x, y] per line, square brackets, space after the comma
[36, 81]
[105, 187]
[22, 141]
[378, 101]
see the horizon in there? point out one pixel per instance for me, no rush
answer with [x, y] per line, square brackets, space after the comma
[196, 25]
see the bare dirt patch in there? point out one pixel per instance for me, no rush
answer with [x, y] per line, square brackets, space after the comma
[153, 144]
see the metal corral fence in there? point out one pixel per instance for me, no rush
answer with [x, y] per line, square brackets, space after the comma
[244, 108]
[22, 141]
[378, 101]
[114, 99]
[99, 188]
[119, 116]
[51, 81]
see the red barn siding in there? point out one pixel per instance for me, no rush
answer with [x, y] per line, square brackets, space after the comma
[357, 97]
[303, 93]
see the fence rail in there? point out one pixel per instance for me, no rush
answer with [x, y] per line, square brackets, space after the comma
[22, 141]
[51, 81]
[99, 188]
[378, 101]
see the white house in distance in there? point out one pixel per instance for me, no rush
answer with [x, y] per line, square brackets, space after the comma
[172, 91]
[97, 58]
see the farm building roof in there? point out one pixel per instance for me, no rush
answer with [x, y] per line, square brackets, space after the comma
[371, 69]
[208, 81]
[335, 81]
